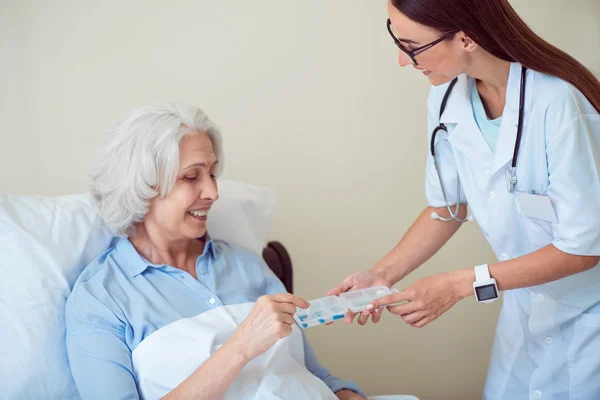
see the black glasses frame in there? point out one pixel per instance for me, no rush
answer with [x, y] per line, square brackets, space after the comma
[413, 53]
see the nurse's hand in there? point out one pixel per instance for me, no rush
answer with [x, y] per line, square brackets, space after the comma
[270, 319]
[426, 299]
[359, 280]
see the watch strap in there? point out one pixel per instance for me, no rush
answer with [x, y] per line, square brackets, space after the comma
[482, 273]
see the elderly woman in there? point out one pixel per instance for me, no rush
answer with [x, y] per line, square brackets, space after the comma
[167, 311]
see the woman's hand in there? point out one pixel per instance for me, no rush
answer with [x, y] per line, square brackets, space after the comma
[359, 280]
[270, 319]
[428, 298]
[346, 394]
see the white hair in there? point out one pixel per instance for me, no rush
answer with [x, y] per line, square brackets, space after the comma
[140, 161]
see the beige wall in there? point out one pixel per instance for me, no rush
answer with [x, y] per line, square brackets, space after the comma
[311, 103]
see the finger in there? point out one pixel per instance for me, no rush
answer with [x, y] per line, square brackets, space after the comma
[349, 317]
[390, 299]
[421, 323]
[286, 319]
[413, 317]
[363, 318]
[290, 298]
[406, 308]
[285, 330]
[376, 315]
[344, 286]
[287, 308]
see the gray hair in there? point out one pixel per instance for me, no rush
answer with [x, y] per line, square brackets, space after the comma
[140, 161]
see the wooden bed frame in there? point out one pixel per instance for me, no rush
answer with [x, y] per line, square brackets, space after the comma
[278, 259]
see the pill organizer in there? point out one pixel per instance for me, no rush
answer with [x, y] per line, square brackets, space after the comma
[331, 308]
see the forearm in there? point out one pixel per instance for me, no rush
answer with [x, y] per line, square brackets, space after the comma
[542, 266]
[212, 379]
[424, 238]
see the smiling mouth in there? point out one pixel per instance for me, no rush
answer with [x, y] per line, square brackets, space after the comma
[198, 214]
[424, 71]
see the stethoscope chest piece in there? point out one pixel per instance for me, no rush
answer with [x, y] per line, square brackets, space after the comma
[511, 179]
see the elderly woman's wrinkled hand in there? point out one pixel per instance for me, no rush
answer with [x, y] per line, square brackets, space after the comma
[271, 319]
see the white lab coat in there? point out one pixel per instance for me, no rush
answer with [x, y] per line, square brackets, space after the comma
[547, 342]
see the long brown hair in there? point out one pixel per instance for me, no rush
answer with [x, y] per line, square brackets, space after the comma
[495, 26]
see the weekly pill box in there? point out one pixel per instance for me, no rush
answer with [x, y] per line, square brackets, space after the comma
[331, 308]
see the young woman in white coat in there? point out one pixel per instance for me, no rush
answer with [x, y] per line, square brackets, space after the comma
[514, 133]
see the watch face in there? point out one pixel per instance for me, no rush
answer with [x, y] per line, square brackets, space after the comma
[486, 292]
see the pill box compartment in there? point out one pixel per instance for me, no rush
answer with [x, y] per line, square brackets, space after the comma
[332, 308]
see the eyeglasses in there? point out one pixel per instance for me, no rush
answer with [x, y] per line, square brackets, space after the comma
[413, 53]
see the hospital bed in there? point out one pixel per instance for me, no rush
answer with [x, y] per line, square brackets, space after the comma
[45, 242]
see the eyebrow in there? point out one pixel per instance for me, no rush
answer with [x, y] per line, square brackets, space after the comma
[408, 41]
[199, 165]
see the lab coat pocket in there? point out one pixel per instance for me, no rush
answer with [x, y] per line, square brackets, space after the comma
[539, 232]
[584, 363]
[536, 206]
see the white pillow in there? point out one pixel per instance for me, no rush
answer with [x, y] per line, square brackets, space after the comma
[243, 215]
[45, 242]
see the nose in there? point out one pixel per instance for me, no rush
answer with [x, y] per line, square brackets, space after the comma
[209, 190]
[403, 59]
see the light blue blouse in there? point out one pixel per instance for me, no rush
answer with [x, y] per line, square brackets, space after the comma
[120, 299]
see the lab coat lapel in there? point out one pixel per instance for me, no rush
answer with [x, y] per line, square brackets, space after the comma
[507, 135]
[465, 136]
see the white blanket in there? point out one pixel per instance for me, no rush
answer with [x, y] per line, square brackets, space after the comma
[168, 356]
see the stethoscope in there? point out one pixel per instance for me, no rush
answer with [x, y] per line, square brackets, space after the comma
[510, 173]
